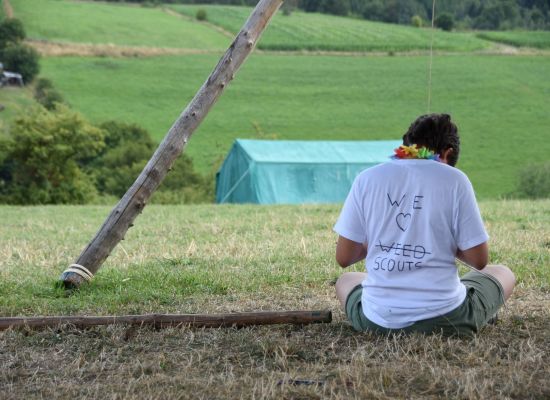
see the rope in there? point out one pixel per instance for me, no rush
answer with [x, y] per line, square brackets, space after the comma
[80, 270]
[431, 60]
[230, 192]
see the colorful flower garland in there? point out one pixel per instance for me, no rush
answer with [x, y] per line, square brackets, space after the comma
[412, 152]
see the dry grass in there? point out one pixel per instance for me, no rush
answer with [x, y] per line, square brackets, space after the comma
[49, 48]
[510, 360]
[55, 49]
[8, 9]
[223, 259]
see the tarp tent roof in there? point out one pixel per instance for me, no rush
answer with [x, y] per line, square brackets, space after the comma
[295, 171]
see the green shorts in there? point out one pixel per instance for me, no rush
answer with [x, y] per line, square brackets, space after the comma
[484, 296]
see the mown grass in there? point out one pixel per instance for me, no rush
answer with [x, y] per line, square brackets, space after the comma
[535, 39]
[500, 103]
[312, 31]
[243, 258]
[177, 252]
[101, 23]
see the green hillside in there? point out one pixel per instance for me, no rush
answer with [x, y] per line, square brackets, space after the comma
[496, 100]
[119, 24]
[499, 102]
[311, 31]
[536, 39]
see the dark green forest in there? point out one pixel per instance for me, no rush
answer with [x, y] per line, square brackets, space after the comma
[463, 14]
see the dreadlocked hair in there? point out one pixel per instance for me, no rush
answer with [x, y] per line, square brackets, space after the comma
[436, 132]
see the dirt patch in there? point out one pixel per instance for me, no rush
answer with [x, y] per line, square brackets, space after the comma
[8, 9]
[508, 360]
[53, 49]
[48, 48]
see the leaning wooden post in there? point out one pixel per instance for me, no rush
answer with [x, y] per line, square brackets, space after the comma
[132, 203]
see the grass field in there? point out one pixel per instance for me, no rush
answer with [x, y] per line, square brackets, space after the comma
[210, 259]
[311, 31]
[101, 23]
[536, 39]
[497, 101]
[189, 259]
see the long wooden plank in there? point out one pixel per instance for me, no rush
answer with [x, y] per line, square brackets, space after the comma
[165, 320]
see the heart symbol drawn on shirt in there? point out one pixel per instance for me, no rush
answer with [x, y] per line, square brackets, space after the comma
[403, 221]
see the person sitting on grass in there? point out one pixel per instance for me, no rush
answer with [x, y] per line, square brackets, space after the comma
[409, 218]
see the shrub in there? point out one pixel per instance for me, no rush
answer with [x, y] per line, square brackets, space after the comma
[445, 21]
[184, 185]
[20, 58]
[416, 21]
[46, 95]
[534, 181]
[54, 157]
[201, 14]
[42, 158]
[11, 31]
[128, 148]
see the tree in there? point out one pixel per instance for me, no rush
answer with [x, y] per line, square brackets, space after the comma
[20, 58]
[336, 7]
[11, 31]
[127, 149]
[534, 181]
[416, 21]
[42, 158]
[201, 14]
[445, 21]
[374, 11]
[310, 5]
[15, 55]
[46, 95]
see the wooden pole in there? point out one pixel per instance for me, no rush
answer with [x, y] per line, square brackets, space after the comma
[165, 320]
[132, 203]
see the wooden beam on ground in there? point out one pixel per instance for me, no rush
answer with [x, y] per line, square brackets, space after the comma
[166, 320]
[132, 203]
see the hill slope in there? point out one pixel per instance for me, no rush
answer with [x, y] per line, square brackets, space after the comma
[536, 39]
[102, 23]
[309, 31]
[501, 111]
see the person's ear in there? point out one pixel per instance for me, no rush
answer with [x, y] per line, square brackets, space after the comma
[444, 156]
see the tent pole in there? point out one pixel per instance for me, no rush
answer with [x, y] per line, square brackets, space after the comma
[132, 203]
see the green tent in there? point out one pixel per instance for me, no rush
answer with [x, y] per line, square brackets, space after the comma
[295, 171]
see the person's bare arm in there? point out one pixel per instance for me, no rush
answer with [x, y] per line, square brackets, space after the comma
[349, 252]
[477, 257]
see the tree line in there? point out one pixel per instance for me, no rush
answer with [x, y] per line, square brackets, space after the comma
[464, 14]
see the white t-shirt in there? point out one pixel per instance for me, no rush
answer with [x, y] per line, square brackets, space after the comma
[414, 214]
